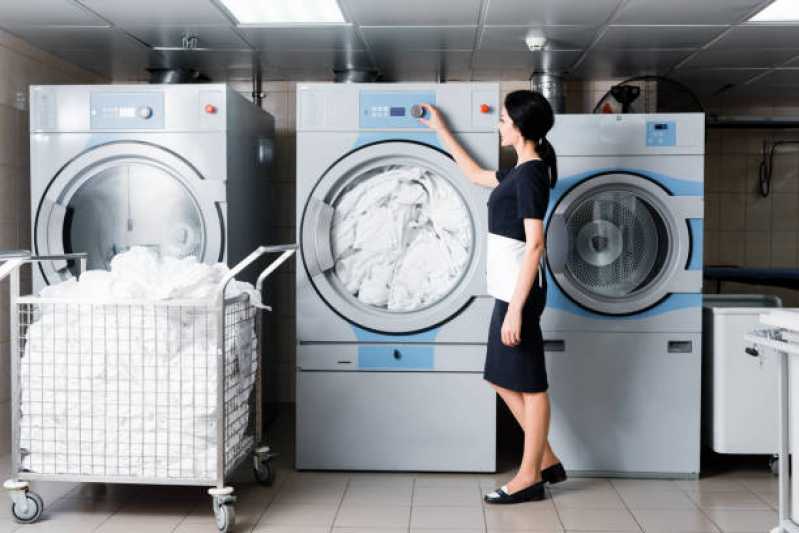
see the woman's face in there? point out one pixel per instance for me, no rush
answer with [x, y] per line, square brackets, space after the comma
[508, 132]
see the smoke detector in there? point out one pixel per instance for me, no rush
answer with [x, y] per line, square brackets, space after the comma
[535, 43]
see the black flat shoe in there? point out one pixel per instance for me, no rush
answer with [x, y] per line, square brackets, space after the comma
[554, 474]
[532, 493]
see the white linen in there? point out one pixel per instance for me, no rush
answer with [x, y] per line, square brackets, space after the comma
[110, 387]
[503, 265]
[401, 238]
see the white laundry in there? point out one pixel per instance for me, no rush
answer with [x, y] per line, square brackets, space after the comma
[118, 380]
[401, 238]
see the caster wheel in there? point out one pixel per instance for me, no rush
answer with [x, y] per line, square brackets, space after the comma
[225, 518]
[33, 511]
[774, 465]
[264, 473]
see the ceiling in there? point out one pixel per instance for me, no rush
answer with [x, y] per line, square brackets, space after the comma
[706, 44]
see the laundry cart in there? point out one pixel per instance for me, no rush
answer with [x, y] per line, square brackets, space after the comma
[136, 391]
[782, 337]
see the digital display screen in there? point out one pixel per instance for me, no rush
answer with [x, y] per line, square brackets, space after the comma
[397, 111]
[661, 127]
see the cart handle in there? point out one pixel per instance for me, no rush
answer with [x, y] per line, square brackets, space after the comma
[287, 251]
[13, 259]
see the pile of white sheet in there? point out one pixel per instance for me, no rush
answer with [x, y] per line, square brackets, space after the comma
[401, 238]
[119, 380]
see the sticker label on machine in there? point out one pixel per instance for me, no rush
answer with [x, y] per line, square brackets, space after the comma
[392, 109]
[661, 133]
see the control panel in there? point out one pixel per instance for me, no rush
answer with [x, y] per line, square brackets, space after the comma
[127, 110]
[659, 134]
[392, 109]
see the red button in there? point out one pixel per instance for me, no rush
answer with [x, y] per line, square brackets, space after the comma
[210, 108]
[485, 108]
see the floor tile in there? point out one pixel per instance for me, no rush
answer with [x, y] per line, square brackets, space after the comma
[735, 521]
[772, 499]
[522, 517]
[601, 519]
[711, 484]
[312, 495]
[447, 518]
[589, 499]
[728, 500]
[657, 499]
[586, 483]
[634, 485]
[371, 530]
[298, 515]
[671, 520]
[447, 496]
[393, 495]
[385, 479]
[373, 516]
[761, 484]
[447, 480]
[291, 529]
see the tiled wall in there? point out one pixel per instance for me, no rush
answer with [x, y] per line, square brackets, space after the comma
[20, 66]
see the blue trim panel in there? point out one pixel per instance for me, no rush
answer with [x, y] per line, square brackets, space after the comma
[424, 137]
[696, 226]
[393, 358]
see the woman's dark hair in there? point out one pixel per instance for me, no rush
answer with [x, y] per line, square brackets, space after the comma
[533, 115]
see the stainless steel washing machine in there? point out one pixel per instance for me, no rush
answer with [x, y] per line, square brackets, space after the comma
[181, 168]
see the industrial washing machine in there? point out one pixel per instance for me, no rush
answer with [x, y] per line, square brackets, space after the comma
[180, 168]
[623, 322]
[391, 299]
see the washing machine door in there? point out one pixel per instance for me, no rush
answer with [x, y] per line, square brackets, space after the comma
[124, 194]
[618, 243]
[388, 238]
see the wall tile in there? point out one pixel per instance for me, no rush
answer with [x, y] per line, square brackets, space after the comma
[758, 249]
[732, 216]
[758, 212]
[712, 211]
[733, 173]
[784, 246]
[785, 211]
[731, 248]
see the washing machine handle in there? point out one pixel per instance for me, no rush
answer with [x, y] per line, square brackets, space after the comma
[316, 246]
[557, 243]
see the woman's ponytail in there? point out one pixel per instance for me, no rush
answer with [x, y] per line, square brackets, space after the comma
[547, 153]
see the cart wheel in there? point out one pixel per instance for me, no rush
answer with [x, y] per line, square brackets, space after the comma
[33, 511]
[263, 472]
[774, 465]
[225, 516]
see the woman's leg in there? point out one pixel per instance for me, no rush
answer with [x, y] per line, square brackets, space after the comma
[515, 402]
[535, 418]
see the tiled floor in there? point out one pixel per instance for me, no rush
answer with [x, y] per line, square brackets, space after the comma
[734, 500]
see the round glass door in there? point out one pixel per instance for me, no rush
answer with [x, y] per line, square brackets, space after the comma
[613, 242]
[123, 194]
[113, 211]
[388, 238]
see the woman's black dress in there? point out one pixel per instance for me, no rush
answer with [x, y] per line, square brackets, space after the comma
[523, 192]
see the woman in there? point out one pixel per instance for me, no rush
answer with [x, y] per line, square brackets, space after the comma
[515, 364]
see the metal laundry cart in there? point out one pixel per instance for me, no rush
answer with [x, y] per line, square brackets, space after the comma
[136, 391]
[783, 338]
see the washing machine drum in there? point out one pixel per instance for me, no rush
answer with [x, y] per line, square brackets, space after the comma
[617, 243]
[612, 243]
[120, 195]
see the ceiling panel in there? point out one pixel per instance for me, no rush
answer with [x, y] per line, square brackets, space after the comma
[413, 12]
[206, 60]
[46, 12]
[760, 36]
[397, 65]
[303, 37]
[546, 61]
[707, 81]
[550, 12]
[208, 36]
[741, 58]
[782, 78]
[325, 60]
[615, 64]
[558, 37]
[58, 38]
[420, 38]
[652, 12]
[658, 36]
[157, 12]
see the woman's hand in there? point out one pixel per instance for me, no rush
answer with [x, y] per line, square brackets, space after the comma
[435, 120]
[512, 327]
